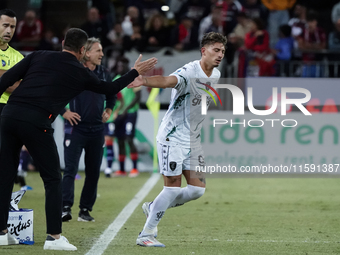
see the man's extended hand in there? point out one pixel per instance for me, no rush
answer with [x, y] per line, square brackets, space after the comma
[72, 117]
[143, 67]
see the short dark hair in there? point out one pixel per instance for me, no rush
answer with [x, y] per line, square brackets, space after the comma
[75, 38]
[213, 37]
[125, 61]
[311, 16]
[259, 23]
[7, 12]
[286, 30]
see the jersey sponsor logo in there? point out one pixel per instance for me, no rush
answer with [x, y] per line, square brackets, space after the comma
[67, 142]
[198, 98]
[3, 63]
[172, 165]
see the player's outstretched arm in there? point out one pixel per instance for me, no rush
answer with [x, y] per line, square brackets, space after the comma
[154, 82]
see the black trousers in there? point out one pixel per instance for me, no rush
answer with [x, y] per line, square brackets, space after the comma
[1, 107]
[37, 135]
[73, 146]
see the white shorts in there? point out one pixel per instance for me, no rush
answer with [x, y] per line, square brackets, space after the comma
[173, 159]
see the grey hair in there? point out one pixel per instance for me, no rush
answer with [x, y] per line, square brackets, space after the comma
[88, 46]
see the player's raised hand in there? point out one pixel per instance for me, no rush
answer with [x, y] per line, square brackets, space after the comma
[138, 81]
[143, 67]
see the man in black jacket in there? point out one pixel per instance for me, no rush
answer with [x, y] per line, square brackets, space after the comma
[84, 129]
[49, 81]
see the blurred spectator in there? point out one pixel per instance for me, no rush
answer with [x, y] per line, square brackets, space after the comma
[255, 9]
[257, 40]
[95, 26]
[334, 37]
[156, 32]
[175, 6]
[29, 31]
[116, 35]
[49, 41]
[336, 13]
[230, 9]
[334, 45]
[184, 36]
[298, 21]
[195, 9]
[216, 25]
[207, 21]
[283, 50]
[311, 41]
[278, 15]
[106, 10]
[132, 16]
[239, 33]
[146, 8]
[313, 37]
[284, 47]
[135, 40]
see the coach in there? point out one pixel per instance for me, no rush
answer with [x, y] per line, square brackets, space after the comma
[49, 81]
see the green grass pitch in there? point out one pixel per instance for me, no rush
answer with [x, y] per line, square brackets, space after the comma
[235, 216]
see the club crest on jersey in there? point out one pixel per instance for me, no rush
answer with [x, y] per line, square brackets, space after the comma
[67, 142]
[3, 63]
[173, 165]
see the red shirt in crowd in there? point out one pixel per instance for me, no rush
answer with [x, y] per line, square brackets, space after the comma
[257, 43]
[24, 31]
[318, 36]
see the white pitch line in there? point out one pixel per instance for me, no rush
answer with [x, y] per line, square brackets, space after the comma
[110, 233]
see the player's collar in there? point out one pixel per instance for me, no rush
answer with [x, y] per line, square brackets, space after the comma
[6, 48]
[206, 76]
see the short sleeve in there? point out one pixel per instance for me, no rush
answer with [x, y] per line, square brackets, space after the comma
[183, 77]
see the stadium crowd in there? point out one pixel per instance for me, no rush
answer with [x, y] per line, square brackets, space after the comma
[264, 36]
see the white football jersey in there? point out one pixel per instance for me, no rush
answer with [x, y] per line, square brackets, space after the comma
[182, 123]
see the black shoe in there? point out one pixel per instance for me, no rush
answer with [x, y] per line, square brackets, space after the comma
[84, 215]
[66, 215]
